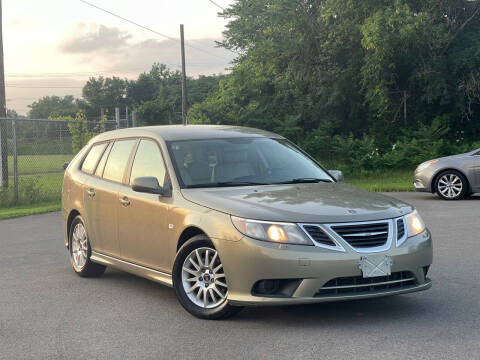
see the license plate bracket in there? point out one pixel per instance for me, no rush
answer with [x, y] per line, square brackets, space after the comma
[375, 265]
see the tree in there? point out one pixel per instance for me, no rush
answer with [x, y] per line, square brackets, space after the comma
[107, 93]
[156, 95]
[12, 113]
[375, 67]
[53, 106]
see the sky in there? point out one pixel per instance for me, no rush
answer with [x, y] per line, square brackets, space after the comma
[52, 47]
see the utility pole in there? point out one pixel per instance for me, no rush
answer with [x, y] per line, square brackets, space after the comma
[184, 79]
[117, 117]
[134, 119]
[3, 114]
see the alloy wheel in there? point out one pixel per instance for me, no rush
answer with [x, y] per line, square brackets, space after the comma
[450, 186]
[203, 278]
[79, 246]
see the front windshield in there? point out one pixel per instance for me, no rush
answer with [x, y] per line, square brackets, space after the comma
[242, 161]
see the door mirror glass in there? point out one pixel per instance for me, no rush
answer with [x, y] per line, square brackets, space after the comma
[337, 175]
[147, 184]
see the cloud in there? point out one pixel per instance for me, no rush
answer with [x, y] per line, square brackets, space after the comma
[89, 40]
[116, 51]
[23, 22]
[94, 50]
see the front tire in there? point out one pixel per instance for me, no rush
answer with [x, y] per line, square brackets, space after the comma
[199, 280]
[451, 185]
[80, 251]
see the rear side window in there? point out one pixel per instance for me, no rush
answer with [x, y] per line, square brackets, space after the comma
[118, 159]
[103, 160]
[148, 162]
[91, 160]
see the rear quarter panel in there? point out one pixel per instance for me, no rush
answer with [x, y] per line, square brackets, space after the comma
[72, 194]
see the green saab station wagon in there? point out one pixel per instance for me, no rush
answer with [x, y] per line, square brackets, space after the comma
[232, 217]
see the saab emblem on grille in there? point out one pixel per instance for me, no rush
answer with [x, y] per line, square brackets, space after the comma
[351, 211]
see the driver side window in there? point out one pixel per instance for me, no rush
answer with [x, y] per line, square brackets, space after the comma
[148, 161]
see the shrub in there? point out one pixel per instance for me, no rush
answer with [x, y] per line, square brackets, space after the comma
[361, 156]
[79, 131]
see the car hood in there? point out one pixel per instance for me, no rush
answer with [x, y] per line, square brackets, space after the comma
[307, 203]
[457, 156]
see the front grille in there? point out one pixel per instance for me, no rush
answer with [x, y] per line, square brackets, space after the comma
[318, 235]
[364, 235]
[400, 229]
[357, 284]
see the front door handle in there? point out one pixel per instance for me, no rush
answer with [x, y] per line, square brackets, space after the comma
[125, 202]
[91, 192]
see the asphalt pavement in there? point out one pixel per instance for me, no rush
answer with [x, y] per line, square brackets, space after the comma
[48, 312]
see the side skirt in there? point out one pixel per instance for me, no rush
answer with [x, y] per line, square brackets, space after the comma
[155, 275]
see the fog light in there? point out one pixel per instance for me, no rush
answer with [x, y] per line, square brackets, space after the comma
[266, 287]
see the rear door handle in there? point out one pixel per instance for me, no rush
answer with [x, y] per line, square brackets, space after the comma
[125, 202]
[91, 192]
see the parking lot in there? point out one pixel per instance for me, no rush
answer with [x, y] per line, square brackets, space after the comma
[46, 311]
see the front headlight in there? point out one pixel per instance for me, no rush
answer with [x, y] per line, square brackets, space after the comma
[287, 233]
[415, 224]
[426, 164]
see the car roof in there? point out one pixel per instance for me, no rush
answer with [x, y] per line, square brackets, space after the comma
[188, 132]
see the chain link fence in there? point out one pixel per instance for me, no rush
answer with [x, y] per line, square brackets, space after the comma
[37, 150]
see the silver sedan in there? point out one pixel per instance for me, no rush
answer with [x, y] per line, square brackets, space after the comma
[451, 177]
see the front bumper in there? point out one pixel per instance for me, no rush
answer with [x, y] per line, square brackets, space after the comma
[248, 261]
[420, 186]
[422, 180]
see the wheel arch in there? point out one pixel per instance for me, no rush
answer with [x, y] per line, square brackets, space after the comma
[72, 215]
[187, 234]
[441, 171]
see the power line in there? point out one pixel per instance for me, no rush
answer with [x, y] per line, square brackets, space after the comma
[130, 21]
[149, 29]
[43, 87]
[57, 73]
[214, 3]
[22, 99]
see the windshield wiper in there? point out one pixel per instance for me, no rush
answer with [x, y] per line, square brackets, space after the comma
[304, 180]
[225, 184]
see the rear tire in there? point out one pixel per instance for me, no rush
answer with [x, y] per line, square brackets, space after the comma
[199, 281]
[80, 251]
[451, 185]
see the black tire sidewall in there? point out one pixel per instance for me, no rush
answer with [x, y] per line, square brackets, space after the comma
[463, 179]
[219, 312]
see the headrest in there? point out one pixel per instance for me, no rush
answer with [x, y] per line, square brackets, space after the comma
[235, 156]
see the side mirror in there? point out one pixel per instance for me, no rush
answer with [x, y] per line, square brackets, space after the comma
[337, 175]
[147, 184]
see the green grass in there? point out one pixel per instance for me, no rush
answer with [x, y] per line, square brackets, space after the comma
[32, 190]
[7, 213]
[28, 164]
[400, 180]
